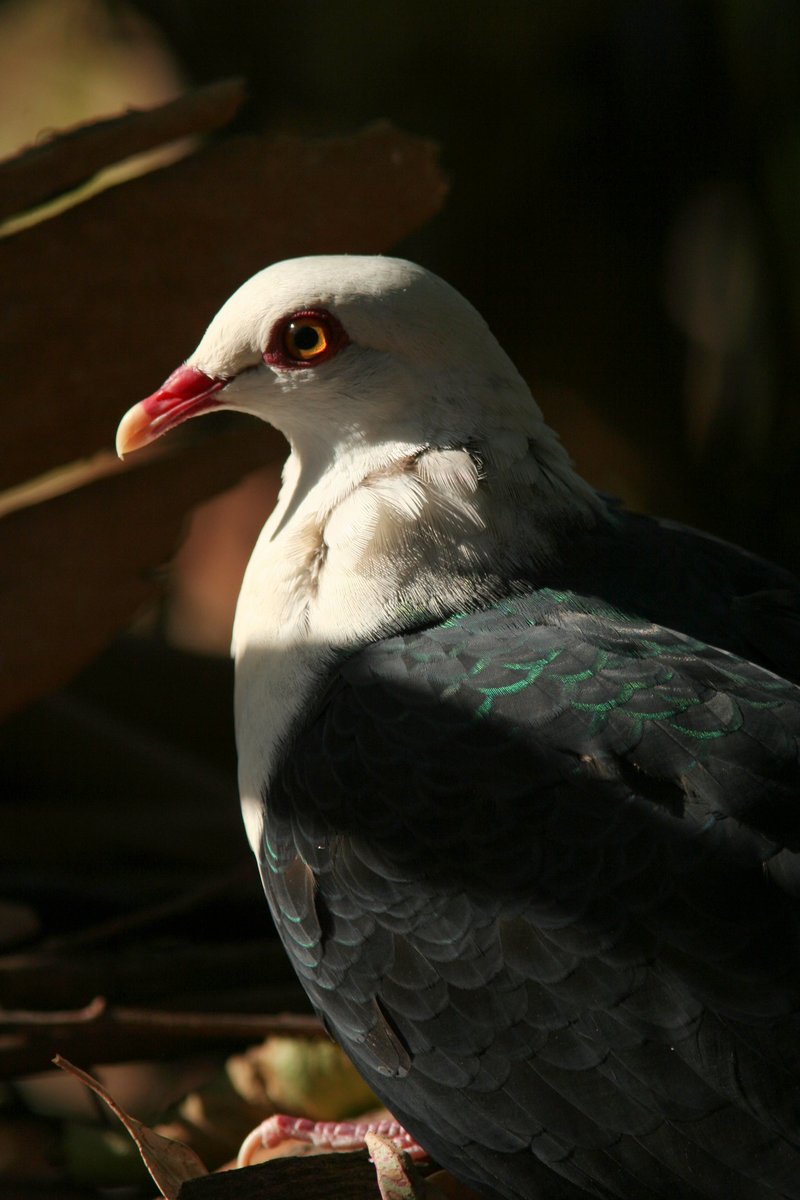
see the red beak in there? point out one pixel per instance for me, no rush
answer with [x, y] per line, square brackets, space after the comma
[187, 393]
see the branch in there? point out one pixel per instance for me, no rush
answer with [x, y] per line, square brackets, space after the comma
[102, 1033]
[321, 1177]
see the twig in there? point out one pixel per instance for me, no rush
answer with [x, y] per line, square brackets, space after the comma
[223, 1025]
[211, 1025]
[9, 1018]
[103, 1033]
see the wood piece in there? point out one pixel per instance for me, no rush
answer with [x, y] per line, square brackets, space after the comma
[318, 1177]
[69, 159]
[102, 302]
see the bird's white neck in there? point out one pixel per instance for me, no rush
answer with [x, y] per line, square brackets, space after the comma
[378, 538]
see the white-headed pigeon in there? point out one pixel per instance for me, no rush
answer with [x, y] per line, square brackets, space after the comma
[520, 769]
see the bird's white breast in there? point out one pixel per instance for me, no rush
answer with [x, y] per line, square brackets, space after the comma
[312, 592]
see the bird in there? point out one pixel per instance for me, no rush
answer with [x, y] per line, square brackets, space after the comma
[520, 767]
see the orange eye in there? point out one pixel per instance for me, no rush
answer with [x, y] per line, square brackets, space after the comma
[305, 339]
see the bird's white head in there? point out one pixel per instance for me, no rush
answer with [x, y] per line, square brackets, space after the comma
[413, 435]
[337, 349]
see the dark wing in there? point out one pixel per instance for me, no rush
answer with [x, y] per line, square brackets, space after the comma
[537, 867]
[690, 581]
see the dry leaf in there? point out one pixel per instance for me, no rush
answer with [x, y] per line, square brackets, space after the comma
[78, 567]
[290, 1074]
[102, 302]
[311, 1077]
[67, 160]
[397, 1179]
[170, 1163]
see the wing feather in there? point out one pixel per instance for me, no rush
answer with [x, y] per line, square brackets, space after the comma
[549, 848]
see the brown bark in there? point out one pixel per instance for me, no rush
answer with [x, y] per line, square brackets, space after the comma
[321, 1176]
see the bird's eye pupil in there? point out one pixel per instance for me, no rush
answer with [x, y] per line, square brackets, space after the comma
[305, 337]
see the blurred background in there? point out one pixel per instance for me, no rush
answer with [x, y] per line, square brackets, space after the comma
[624, 209]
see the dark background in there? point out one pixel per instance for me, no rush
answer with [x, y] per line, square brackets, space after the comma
[624, 209]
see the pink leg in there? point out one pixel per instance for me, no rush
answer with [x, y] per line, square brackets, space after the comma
[330, 1135]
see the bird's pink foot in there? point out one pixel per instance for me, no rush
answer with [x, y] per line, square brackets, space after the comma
[327, 1135]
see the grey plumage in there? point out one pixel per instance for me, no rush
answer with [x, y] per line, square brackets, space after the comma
[553, 914]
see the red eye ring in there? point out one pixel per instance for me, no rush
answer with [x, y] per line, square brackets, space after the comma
[304, 339]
